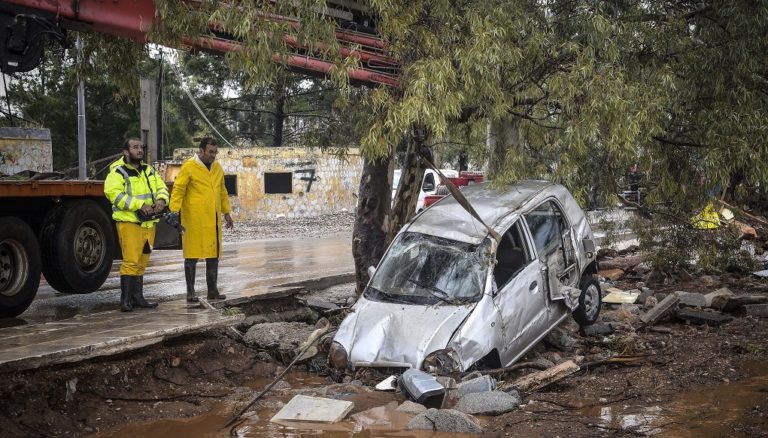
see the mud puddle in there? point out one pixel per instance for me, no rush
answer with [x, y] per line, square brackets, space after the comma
[714, 411]
[374, 415]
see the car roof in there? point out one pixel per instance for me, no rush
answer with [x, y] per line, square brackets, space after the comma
[448, 219]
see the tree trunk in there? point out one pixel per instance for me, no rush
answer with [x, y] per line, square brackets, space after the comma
[277, 128]
[407, 194]
[369, 235]
[503, 135]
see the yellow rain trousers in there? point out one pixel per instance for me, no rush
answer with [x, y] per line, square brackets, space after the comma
[133, 240]
[199, 194]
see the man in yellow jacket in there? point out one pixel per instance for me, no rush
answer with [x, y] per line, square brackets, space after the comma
[200, 196]
[132, 185]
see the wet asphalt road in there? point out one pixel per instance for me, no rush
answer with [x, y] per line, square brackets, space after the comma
[248, 265]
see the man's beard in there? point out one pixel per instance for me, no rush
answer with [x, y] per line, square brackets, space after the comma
[133, 160]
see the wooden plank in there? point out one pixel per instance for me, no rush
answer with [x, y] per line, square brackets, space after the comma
[535, 381]
[313, 409]
[652, 316]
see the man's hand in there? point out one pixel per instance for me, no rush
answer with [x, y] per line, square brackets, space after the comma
[147, 209]
[159, 206]
[228, 220]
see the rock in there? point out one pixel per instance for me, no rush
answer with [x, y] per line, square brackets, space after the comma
[707, 280]
[445, 420]
[410, 407]
[718, 298]
[175, 362]
[472, 375]
[281, 385]
[645, 293]
[759, 310]
[711, 318]
[691, 299]
[597, 329]
[655, 276]
[281, 336]
[650, 303]
[321, 304]
[561, 340]
[479, 384]
[487, 403]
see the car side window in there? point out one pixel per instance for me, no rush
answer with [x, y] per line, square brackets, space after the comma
[546, 224]
[512, 255]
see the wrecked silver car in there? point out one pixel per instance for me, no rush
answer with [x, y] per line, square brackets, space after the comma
[447, 295]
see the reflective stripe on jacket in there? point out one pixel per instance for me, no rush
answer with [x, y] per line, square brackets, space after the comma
[128, 188]
[199, 194]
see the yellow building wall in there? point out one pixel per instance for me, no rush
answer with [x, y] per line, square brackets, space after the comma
[334, 189]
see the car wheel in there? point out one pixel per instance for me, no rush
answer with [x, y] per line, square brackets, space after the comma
[590, 301]
[78, 245]
[19, 266]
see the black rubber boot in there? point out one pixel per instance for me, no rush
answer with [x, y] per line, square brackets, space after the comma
[138, 293]
[211, 277]
[190, 266]
[125, 294]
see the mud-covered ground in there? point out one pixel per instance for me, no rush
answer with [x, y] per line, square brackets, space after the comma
[682, 380]
[324, 225]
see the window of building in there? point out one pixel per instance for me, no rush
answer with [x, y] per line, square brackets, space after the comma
[230, 182]
[278, 182]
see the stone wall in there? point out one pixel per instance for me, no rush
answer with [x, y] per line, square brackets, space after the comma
[333, 189]
[25, 149]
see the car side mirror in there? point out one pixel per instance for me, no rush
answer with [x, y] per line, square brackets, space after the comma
[428, 187]
[371, 270]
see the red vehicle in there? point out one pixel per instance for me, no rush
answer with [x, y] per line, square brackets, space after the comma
[465, 179]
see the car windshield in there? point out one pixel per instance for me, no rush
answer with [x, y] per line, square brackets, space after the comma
[423, 269]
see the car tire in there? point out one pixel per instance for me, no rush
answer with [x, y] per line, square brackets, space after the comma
[19, 266]
[77, 243]
[590, 301]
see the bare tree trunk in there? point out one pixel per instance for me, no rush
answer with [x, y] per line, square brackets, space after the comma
[277, 128]
[503, 135]
[369, 235]
[407, 194]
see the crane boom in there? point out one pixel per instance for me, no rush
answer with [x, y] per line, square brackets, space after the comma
[25, 23]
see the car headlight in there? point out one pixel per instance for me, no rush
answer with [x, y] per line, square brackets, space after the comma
[442, 362]
[338, 356]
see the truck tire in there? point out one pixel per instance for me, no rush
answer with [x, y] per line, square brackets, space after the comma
[19, 266]
[77, 243]
[590, 301]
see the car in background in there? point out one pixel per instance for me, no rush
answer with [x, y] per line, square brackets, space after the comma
[428, 184]
[447, 296]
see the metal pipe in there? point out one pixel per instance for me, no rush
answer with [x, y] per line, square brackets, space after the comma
[82, 165]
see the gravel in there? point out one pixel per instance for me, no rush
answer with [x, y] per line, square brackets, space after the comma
[318, 226]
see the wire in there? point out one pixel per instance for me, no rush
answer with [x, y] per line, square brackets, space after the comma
[197, 107]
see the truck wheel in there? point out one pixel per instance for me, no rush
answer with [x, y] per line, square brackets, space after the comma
[589, 301]
[77, 243]
[19, 266]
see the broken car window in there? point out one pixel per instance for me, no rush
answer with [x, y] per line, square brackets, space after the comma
[423, 269]
[511, 255]
[546, 224]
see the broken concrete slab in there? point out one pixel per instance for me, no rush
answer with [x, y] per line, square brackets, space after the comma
[718, 298]
[410, 407]
[691, 299]
[388, 384]
[618, 296]
[279, 338]
[487, 403]
[611, 274]
[660, 310]
[313, 409]
[445, 420]
[702, 317]
[601, 329]
[759, 310]
[736, 303]
[538, 380]
[321, 304]
[479, 384]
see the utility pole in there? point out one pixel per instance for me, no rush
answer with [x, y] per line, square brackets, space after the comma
[148, 109]
[82, 165]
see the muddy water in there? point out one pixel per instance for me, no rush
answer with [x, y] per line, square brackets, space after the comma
[373, 415]
[705, 412]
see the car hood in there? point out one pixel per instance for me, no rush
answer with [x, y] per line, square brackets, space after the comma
[398, 335]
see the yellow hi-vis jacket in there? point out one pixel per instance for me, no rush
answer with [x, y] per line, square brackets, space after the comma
[128, 188]
[199, 194]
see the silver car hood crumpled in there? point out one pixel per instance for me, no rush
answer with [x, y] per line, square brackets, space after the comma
[381, 334]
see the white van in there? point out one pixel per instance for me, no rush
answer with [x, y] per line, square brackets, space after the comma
[428, 184]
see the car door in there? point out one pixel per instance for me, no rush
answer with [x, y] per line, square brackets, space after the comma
[518, 297]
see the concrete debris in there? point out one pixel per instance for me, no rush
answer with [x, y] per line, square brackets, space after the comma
[718, 298]
[691, 299]
[388, 384]
[759, 310]
[479, 384]
[645, 293]
[611, 274]
[660, 310]
[650, 303]
[473, 375]
[313, 409]
[280, 336]
[737, 303]
[71, 389]
[618, 296]
[445, 420]
[597, 329]
[321, 304]
[702, 317]
[410, 407]
[302, 314]
[561, 339]
[535, 381]
[487, 403]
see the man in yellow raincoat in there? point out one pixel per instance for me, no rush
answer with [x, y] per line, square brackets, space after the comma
[200, 196]
[132, 185]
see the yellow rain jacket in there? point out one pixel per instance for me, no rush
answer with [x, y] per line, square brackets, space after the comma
[707, 219]
[128, 188]
[199, 194]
